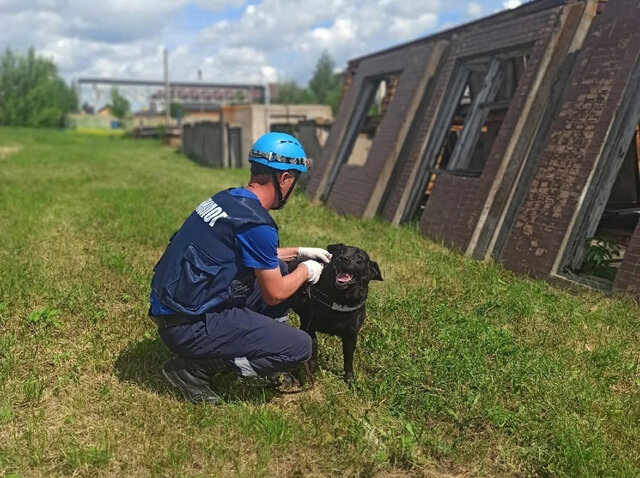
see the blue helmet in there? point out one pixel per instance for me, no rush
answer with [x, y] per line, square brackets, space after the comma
[279, 151]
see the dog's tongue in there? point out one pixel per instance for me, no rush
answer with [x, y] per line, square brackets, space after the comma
[343, 277]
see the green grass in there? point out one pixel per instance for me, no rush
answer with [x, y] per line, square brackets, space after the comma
[462, 368]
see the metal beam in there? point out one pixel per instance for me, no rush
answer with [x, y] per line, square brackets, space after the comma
[172, 84]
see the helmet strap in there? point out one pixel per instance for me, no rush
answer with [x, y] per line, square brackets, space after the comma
[282, 201]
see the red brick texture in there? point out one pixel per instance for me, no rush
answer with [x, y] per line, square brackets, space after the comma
[628, 277]
[552, 191]
[456, 202]
[487, 36]
[354, 184]
[321, 165]
[600, 78]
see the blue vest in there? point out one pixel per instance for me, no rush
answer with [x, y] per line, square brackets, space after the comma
[202, 266]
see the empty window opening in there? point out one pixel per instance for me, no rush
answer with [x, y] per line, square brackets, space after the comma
[380, 103]
[376, 96]
[489, 87]
[604, 252]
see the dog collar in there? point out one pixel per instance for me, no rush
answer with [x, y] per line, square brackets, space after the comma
[319, 296]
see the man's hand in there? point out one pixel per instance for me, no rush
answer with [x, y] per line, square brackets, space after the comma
[313, 253]
[315, 269]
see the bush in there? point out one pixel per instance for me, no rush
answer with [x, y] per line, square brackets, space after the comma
[600, 255]
[32, 93]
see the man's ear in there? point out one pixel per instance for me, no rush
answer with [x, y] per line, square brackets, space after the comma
[283, 175]
[335, 248]
[374, 270]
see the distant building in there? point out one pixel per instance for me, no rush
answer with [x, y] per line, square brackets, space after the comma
[105, 111]
[224, 137]
[256, 120]
[194, 96]
[206, 97]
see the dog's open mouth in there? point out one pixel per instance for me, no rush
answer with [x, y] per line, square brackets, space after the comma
[343, 279]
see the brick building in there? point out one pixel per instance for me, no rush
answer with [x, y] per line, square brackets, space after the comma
[513, 137]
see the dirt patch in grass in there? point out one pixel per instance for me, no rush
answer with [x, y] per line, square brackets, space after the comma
[5, 151]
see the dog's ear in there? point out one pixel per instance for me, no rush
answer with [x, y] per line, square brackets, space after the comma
[374, 270]
[335, 248]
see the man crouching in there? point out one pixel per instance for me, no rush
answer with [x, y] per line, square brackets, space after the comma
[220, 292]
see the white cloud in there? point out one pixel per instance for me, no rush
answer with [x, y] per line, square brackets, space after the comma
[509, 4]
[345, 28]
[474, 10]
[268, 41]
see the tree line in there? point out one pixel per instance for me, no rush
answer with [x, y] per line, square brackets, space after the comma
[32, 93]
[324, 87]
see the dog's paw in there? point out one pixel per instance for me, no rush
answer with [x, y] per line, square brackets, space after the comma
[348, 378]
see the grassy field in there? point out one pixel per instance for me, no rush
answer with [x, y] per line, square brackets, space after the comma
[462, 369]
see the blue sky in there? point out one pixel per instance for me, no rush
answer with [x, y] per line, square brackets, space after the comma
[228, 40]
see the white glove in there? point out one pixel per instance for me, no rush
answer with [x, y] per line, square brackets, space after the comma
[315, 269]
[315, 253]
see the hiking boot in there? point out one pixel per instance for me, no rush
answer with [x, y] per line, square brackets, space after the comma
[191, 377]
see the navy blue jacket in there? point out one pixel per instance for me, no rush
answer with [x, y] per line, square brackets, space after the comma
[202, 267]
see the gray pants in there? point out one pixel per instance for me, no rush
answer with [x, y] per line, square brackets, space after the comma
[253, 339]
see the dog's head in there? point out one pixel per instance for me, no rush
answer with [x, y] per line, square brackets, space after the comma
[351, 266]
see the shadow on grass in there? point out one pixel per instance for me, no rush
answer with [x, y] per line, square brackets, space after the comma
[140, 363]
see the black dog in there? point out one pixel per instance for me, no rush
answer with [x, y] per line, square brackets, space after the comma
[335, 305]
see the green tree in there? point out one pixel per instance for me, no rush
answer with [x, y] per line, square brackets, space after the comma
[120, 106]
[176, 110]
[325, 84]
[289, 93]
[325, 87]
[31, 91]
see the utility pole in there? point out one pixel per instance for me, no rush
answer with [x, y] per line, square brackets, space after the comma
[224, 139]
[167, 104]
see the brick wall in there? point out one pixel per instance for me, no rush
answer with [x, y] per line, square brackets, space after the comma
[604, 65]
[455, 223]
[455, 202]
[354, 184]
[628, 277]
[322, 166]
